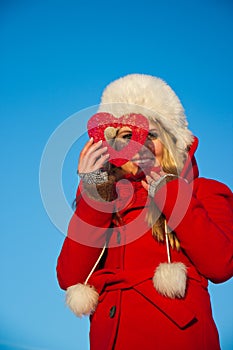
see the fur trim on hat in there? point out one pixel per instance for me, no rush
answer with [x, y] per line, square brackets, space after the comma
[82, 299]
[152, 97]
[170, 279]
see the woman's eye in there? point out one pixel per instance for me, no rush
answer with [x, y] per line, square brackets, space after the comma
[127, 136]
[152, 135]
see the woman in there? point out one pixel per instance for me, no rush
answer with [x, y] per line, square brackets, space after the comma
[148, 234]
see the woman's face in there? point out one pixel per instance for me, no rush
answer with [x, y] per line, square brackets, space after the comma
[149, 156]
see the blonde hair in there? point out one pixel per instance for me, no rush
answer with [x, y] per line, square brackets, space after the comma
[172, 163]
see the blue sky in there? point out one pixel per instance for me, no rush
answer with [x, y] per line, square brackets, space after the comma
[56, 58]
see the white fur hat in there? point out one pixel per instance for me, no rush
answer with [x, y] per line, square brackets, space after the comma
[152, 97]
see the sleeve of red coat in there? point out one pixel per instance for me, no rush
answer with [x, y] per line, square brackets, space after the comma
[201, 214]
[86, 236]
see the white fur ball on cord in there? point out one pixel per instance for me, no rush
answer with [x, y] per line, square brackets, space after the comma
[82, 299]
[170, 279]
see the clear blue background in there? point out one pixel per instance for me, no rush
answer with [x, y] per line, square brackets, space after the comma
[56, 58]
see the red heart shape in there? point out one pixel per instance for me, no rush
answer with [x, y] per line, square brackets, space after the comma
[136, 122]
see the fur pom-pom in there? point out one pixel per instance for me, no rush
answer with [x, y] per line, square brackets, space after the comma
[82, 299]
[170, 279]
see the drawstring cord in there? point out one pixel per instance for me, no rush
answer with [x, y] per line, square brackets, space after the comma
[97, 262]
[167, 243]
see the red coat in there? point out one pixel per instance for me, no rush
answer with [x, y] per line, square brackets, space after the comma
[131, 314]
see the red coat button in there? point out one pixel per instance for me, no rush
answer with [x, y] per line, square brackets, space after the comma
[112, 311]
[118, 237]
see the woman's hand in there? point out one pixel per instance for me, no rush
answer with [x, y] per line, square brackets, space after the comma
[97, 183]
[92, 157]
[156, 181]
[153, 178]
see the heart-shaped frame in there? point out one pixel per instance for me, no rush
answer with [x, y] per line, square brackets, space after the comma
[139, 125]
